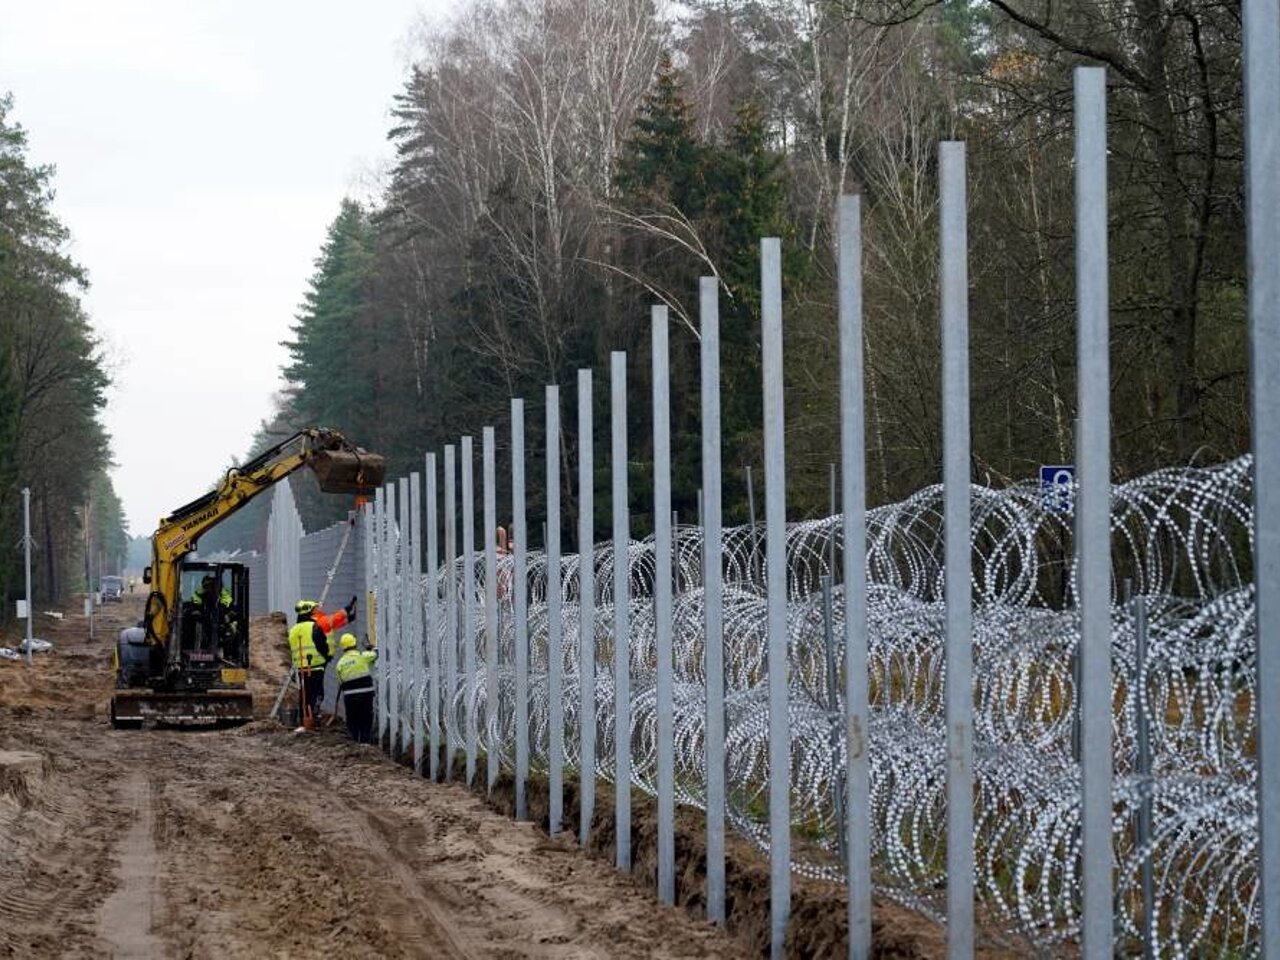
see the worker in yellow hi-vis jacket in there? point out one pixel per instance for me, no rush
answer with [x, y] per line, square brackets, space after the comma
[355, 686]
[309, 653]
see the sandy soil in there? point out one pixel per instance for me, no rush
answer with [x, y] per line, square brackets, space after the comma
[258, 842]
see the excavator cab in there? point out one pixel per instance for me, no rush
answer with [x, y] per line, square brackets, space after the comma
[212, 625]
[211, 633]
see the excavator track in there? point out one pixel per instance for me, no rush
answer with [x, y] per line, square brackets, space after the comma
[132, 708]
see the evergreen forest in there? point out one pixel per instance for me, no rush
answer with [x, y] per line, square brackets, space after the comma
[562, 165]
[53, 387]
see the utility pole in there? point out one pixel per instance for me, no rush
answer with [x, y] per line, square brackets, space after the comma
[26, 545]
[88, 564]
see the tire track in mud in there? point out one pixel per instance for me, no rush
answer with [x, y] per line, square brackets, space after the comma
[59, 832]
[271, 862]
[266, 844]
[497, 888]
[404, 921]
[57, 835]
[382, 848]
[412, 907]
[125, 918]
[253, 842]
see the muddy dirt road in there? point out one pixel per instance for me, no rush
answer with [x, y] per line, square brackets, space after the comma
[260, 843]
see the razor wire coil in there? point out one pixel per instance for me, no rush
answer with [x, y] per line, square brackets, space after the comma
[1181, 537]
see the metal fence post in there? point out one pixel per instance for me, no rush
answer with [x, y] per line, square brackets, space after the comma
[492, 699]
[958, 588]
[408, 660]
[662, 605]
[416, 612]
[469, 602]
[1262, 192]
[586, 610]
[384, 602]
[433, 613]
[370, 570]
[853, 489]
[1094, 505]
[393, 620]
[713, 592]
[452, 736]
[621, 611]
[555, 662]
[392, 584]
[775, 511]
[520, 585]
[26, 562]
[394, 611]
[376, 562]
[395, 514]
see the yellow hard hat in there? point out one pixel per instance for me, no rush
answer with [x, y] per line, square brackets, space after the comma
[347, 641]
[304, 606]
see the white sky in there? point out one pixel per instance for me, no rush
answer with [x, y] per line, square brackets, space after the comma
[202, 147]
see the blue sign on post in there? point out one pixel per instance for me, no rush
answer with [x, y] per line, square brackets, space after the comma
[1057, 487]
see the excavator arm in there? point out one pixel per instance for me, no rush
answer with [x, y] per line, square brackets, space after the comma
[339, 465]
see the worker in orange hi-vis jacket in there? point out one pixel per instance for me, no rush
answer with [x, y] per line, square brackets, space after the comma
[336, 621]
[327, 623]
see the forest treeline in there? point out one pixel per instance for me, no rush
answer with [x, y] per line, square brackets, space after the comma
[53, 383]
[561, 165]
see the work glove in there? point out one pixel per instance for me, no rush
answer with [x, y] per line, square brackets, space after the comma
[350, 609]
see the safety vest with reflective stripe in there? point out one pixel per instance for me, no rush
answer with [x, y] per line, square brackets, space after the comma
[355, 664]
[302, 648]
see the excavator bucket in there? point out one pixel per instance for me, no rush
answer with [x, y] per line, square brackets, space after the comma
[341, 471]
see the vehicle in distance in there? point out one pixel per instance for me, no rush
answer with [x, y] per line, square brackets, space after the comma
[112, 589]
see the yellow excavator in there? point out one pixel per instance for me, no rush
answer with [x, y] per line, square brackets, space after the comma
[188, 660]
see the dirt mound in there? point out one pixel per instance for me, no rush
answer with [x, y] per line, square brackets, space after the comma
[256, 728]
[268, 659]
[74, 677]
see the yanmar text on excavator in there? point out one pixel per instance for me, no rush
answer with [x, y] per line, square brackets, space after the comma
[188, 661]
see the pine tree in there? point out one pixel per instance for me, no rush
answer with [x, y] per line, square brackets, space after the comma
[9, 510]
[52, 381]
[664, 158]
[332, 381]
[747, 201]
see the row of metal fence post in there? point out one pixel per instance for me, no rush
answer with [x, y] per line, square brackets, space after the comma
[1093, 554]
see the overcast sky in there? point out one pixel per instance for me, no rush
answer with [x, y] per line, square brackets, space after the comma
[202, 147]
